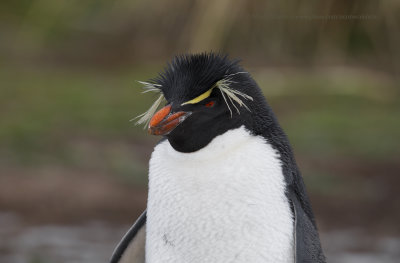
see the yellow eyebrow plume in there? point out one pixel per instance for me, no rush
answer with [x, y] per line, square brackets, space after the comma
[199, 98]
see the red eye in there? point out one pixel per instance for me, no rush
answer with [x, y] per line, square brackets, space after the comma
[210, 104]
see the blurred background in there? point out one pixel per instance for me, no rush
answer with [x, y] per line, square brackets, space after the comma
[73, 169]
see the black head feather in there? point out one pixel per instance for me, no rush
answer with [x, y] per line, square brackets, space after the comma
[188, 76]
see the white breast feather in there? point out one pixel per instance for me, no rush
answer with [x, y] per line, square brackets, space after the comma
[223, 203]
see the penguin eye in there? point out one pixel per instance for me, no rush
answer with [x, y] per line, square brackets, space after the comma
[210, 104]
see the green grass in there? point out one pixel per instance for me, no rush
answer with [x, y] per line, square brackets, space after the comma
[80, 118]
[41, 109]
[326, 115]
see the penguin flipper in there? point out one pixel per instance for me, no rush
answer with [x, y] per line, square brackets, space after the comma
[307, 243]
[132, 246]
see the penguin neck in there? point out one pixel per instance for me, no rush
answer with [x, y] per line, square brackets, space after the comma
[223, 203]
[220, 146]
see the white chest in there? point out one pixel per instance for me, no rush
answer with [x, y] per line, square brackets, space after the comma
[223, 203]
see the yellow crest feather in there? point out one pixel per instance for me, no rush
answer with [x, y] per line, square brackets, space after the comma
[203, 96]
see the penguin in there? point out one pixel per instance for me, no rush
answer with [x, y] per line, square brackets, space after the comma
[224, 185]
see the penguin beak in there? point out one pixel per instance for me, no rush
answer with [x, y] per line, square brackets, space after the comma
[164, 121]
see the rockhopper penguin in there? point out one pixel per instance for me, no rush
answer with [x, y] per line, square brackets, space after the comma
[223, 182]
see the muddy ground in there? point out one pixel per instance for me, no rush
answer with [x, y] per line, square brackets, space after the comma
[55, 215]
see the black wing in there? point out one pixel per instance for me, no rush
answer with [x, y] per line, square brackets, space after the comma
[132, 244]
[307, 243]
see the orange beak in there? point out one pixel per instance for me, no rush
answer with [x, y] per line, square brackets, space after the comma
[163, 122]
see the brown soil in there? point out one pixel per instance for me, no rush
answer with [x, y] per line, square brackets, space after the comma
[56, 195]
[371, 202]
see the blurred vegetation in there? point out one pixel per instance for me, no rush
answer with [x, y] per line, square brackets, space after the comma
[107, 33]
[81, 119]
[68, 71]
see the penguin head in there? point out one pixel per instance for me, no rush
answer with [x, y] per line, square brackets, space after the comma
[205, 95]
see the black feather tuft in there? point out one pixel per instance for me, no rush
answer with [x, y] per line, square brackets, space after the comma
[188, 75]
